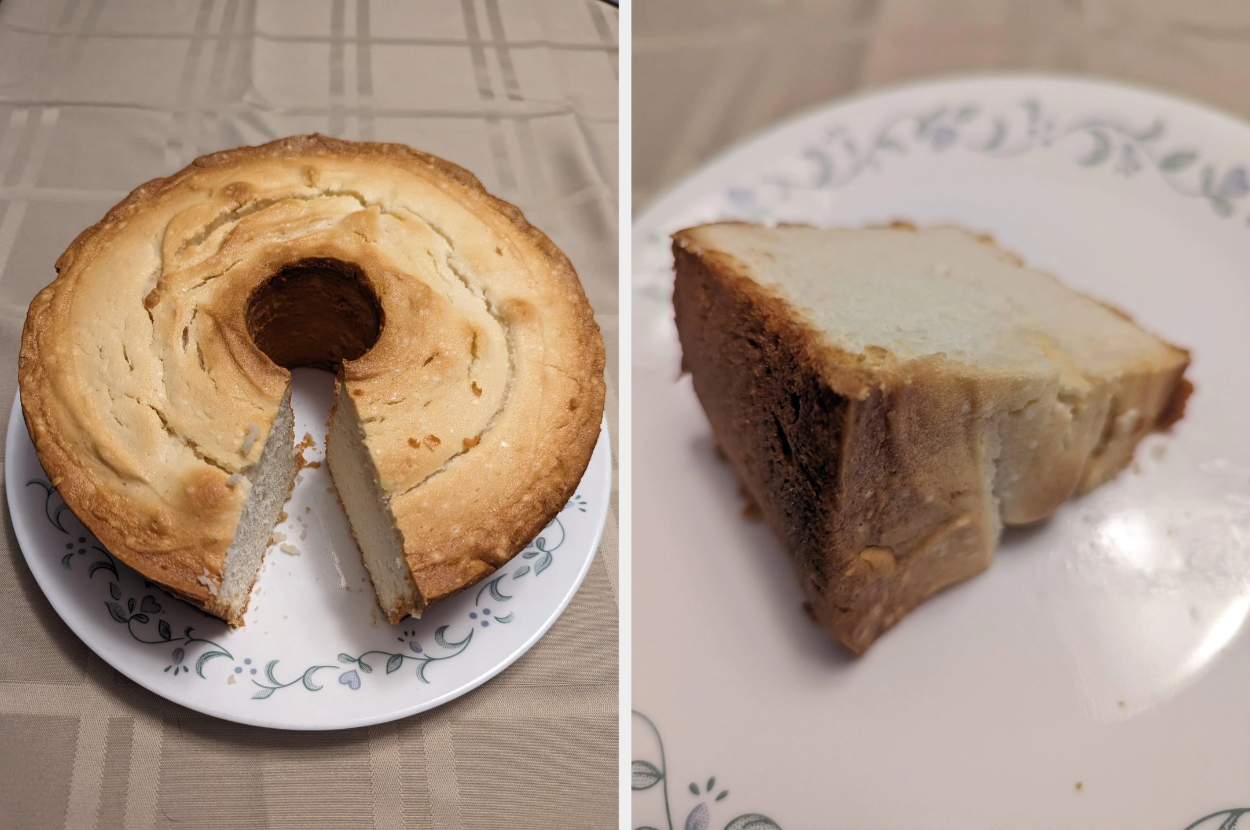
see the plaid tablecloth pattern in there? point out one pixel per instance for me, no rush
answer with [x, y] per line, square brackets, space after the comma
[98, 96]
[709, 73]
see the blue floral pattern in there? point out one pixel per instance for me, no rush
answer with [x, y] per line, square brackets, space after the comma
[140, 614]
[839, 154]
[840, 157]
[648, 774]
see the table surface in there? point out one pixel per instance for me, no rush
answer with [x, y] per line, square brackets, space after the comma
[710, 73]
[98, 96]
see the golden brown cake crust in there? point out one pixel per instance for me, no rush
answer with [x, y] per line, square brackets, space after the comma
[148, 399]
[870, 470]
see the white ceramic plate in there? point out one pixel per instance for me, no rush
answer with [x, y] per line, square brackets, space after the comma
[315, 652]
[1097, 675]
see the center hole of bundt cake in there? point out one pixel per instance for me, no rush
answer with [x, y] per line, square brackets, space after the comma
[315, 312]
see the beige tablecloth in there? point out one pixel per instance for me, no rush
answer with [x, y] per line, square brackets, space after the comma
[708, 73]
[98, 96]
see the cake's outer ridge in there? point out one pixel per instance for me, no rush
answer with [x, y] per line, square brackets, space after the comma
[149, 401]
[888, 478]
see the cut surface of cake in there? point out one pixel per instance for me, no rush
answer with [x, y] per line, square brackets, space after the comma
[893, 397]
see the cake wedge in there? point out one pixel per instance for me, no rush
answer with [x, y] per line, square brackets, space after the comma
[893, 397]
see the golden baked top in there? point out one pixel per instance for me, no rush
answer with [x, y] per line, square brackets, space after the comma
[150, 368]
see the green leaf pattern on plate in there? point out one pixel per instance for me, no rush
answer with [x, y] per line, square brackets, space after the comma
[123, 612]
[647, 775]
[841, 156]
[1223, 820]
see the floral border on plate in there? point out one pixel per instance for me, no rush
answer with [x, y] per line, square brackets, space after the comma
[152, 630]
[646, 775]
[839, 156]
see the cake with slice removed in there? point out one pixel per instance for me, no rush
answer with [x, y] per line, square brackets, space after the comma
[892, 397]
[156, 386]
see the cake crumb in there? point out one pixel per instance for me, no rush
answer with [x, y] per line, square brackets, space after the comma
[253, 432]
[300, 461]
[303, 534]
[329, 489]
[1079, 786]
[206, 579]
[282, 517]
[278, 536]
[233, 479]
[230, 680]
[307, 509]
[1120, 704]
[470, 443]
[289, 549]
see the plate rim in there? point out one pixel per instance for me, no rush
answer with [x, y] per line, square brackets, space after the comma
[17, 429]
[675, 194]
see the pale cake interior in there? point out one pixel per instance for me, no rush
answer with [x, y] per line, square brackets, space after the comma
[269, 484]
[937, 290]
[356, 479]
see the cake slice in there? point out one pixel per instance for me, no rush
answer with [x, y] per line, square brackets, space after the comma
[892, 397]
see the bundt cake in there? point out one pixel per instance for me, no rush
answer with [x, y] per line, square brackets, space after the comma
[469, 369]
